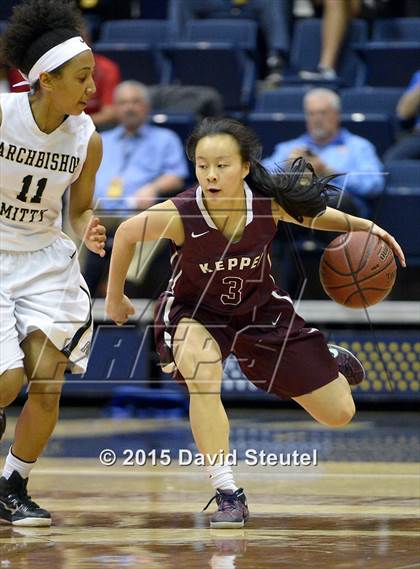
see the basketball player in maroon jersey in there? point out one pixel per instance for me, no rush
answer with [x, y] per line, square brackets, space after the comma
[222, 298]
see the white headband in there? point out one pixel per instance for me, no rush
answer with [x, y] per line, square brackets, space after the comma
[55, 57]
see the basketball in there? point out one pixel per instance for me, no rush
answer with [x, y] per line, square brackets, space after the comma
[357, 269]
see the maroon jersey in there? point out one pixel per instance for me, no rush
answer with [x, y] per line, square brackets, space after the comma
[213, 273]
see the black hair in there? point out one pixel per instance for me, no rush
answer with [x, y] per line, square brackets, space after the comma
[298, 190]
[35, 27]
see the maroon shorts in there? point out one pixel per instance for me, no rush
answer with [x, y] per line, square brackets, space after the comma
[275, 349]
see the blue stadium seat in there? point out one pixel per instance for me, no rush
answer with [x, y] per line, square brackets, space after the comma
[283, 100]
[151, 32]
[375, 100]
[396, 30]
[389, 63]
[403, 174]
[218, 54]
[242, 33]
[140, 62]
[134, 45]
[399, 212]
[371, 100]
[306, 47]
[394, 52]
[273, 128]
[223, 66]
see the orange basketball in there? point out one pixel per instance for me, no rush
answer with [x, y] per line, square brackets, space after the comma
[357, 269]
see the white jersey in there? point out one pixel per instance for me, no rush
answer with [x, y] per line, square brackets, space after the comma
[35, 170]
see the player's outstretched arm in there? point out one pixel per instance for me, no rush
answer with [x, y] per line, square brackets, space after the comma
[87, 227]
[162, 221]
[335, 220]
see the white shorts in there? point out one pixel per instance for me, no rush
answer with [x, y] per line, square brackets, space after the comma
[44, 290]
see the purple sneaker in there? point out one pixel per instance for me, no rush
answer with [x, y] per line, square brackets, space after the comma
[232, 511]
[348, 364]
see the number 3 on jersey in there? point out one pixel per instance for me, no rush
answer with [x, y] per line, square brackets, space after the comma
[26, 184]
[234, 294]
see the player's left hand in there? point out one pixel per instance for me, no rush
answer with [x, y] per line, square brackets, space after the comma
[119, 310]
[95, 237]
[389, 240]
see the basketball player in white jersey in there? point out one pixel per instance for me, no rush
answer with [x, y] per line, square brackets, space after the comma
[47, 143]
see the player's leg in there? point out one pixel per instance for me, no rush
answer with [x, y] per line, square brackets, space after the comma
[44, 367]
[336, 18]
[11, 355]
[292, 360]
[198, 358]
[331, 404]
[11, 382]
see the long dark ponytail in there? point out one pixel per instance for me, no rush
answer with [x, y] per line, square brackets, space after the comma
[298, 190]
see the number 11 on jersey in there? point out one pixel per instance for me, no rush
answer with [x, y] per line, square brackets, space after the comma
[26, 184]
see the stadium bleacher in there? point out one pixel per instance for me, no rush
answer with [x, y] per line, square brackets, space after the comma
[150, 50]
[135, 46]
[393, 54]
[232, 44]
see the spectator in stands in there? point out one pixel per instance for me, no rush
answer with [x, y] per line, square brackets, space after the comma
[408, 109]
[337, 15]
[332, 149]
[274, 18]
[141, 163]
[106, 76]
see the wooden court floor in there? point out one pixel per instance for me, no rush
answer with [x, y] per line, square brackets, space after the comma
[340, 514]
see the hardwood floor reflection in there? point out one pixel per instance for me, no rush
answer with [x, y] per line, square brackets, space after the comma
[338, 516]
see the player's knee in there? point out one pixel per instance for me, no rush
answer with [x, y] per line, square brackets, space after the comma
[196, 368]
[343, 414]
[46, 395]
[11, 382]
[206, 381]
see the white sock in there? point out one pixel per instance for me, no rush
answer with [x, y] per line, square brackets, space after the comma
[221, 477]
[14, 463]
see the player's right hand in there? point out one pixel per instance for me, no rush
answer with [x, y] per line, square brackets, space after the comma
[119, 310]
[389, 240]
